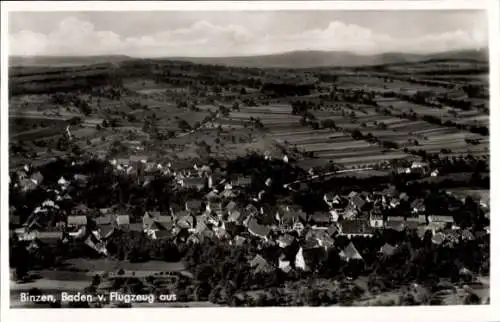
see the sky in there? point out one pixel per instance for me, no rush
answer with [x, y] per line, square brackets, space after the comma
[242, 33]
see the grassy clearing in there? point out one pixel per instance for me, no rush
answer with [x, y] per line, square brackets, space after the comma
[111, 265]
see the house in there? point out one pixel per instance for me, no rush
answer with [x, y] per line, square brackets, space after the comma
[422, 230]
[467, 235]
[418, 206]
[237, 216]
[403, 196]
[241, 181]
[448, 219]
[163, 223]
[193, 239]
[106, 231]
[350, 212]
[332, 199]
[215, 207]
[76, 221]
[192, 183]
[260, 265]
[358, 202]
[438, 238]
[419, 220]
[228, 194]
[298, 227]
[80, 209]
[285, 240]
[252, 210]
[320, 238]
[63, 182]
[452, 236]
[138, 159]
[26, 235]
[104, 220]
[185, 222]
[350, 253]
[288, 218]
[193, 205]
[352, 194]
[394, 202]
[333, 230]
[49, 237]
[299, 260]
[230, 206]
[328, 198]
[321, 219]
[21, 174]
[80, 232]
[95, 244]
[418, 165]
[122, 220]
[147, 220]
[37, 178]
[27, 184]
[257, 230]
[238, 241]
[335, 215]
[284, 264]
[201, 225]
[212, 195]
[437, 226]
[376, 220]
[367, 196]
[357, 227]
[387, 249]
[395, 223]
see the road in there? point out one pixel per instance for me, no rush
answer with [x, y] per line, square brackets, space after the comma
[316, 176]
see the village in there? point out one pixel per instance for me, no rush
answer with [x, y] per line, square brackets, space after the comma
[227, 213]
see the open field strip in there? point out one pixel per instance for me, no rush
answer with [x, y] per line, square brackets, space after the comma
[357, 153]
[483, 120]
[303, 131]
[443, 131]
[313, 139]
[302, 142]
[274, 116]
[399, 104]
[90, 265]
[335, 146]
[370, 159]
[415, 126]
[442, 136]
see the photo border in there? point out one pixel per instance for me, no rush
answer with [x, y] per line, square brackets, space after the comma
[419, 314]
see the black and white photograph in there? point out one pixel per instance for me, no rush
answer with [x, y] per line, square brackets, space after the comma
[278, 157]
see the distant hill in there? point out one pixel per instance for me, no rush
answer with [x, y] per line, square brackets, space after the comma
[295, 59]
[309, 59]
[62, 61]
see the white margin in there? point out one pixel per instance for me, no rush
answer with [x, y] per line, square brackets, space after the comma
[417, 314]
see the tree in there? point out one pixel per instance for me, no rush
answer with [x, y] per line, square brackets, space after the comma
[328, 123]
[96, 280]
[472, 299]
[357, 135]
[184, 125]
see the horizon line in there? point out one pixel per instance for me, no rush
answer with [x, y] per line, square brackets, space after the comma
[484, 48]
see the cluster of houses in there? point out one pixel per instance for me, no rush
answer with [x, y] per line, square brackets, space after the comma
[220, 214]
[418, 167]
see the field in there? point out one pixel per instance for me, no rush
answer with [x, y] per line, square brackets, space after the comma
[177, 116]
